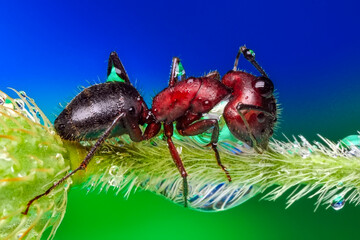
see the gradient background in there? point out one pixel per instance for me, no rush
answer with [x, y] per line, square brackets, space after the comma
[310, 50]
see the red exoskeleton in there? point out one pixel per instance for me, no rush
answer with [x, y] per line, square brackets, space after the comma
[250, 112]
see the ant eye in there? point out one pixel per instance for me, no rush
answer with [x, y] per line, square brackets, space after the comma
[263, 86]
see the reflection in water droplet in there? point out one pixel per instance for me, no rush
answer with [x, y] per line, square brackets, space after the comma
[338, 202]
[19, 234]
[261, 117]
[20, 103]
[113, 170]
[209, 197]
[22, 93]
[339, 185]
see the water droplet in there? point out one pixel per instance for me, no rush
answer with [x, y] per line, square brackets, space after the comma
[20, 103]
[338, 202]
[339, 185]
[131, 110]
[305, 154]
[155, 110]
[118, 71]
[261, 117]
[179, 150]
[112, 182]
[20, 234]
[113, 170]
[22, 93]
[138, 98]
[272, 107]
[190, 81]
[60, 159]
[206, 102]
[210, 197]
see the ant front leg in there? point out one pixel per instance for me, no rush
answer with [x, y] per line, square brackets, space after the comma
[200, 127]
[83, 164]
[169, 129]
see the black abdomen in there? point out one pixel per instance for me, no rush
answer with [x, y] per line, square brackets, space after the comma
[89, 114]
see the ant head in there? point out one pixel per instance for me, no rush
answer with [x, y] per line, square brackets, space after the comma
[251, 111]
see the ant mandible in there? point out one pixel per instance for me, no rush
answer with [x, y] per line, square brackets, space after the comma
[115, 108]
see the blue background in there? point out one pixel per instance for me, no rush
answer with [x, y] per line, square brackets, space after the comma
[310, 49]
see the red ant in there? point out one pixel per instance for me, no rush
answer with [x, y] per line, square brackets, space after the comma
[114, 108]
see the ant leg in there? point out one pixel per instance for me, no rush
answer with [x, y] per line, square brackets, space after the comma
[151, 130]
[83, 164]
[169, 129]
[200, 127]
[250, 56]
[114, 62]
[177, 72]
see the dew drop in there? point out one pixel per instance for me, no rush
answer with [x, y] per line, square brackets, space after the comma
[22, 93]
[113, 170]
[272, 107]
[179, 150]
[338, 202]
[20, 103]
[19, 234]
[206, 102]
[305, 154]
[131, 110]
[190, 81]
[339, 185]
[113, 182]
[261, 117]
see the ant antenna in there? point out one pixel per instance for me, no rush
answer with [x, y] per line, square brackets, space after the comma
[250, 56]
[237, 60]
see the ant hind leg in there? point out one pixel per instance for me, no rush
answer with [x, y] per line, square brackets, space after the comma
[169, 129]
[83, 164]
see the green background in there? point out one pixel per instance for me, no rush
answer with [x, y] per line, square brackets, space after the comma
[147, 216]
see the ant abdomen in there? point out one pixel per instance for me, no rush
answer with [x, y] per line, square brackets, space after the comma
[89, 114]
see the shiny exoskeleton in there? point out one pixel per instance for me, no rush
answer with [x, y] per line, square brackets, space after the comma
[115, 108]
